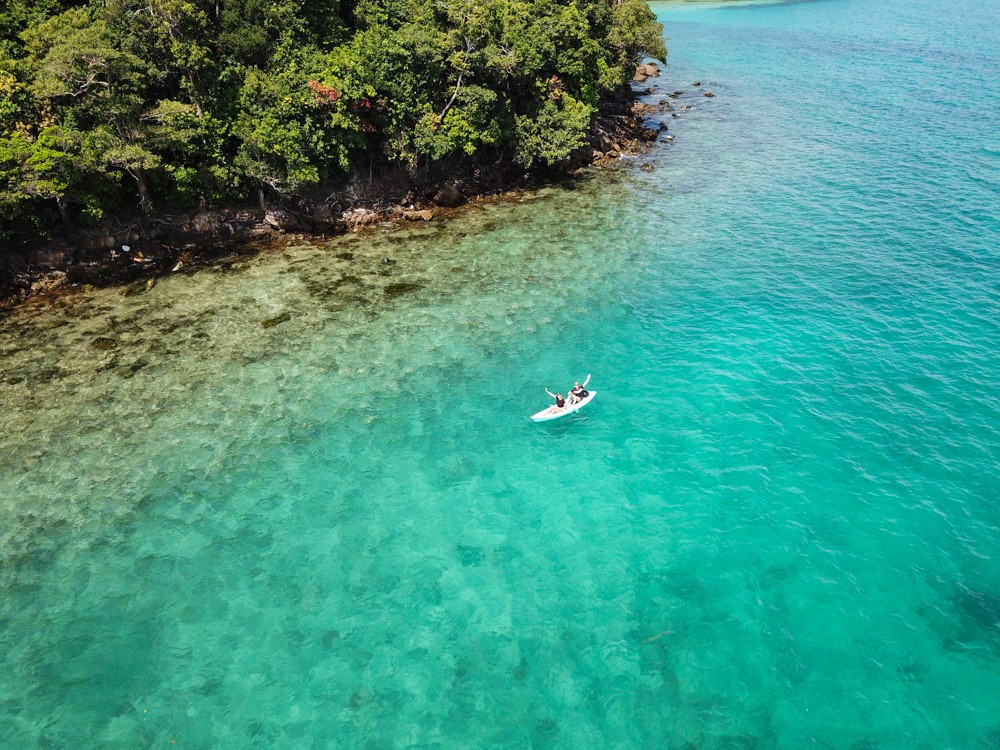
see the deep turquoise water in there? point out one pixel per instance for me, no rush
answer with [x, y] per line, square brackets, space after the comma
[777, 526]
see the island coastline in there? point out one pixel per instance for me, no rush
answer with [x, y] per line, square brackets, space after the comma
[134, 253]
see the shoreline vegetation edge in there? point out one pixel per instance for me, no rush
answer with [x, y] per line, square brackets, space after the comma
[133, 254]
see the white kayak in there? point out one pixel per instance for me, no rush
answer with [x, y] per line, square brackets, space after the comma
[552, 413]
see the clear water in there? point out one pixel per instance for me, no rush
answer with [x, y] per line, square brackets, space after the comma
[777, 526]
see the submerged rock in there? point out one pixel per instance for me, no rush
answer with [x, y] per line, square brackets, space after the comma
[103, 344]
[49, 374]
[709, 94]
[395, 290]
[133, 368]
[470, 556]
[272, 322]
[346, 279]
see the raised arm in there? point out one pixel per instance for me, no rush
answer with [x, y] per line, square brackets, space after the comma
[586, 381]
[550, 393]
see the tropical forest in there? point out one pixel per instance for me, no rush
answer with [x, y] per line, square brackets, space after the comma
[132, 107]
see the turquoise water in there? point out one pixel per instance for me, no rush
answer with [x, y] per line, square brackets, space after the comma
[777, 526]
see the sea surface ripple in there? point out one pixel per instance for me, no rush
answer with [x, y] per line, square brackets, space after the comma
[777, 525]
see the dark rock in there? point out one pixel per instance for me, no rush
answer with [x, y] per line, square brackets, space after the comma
[324, 217]
[51, 258]
[395, 290]
[646, 167]
[283, 221]
[272, 322]
[49, 374]
[388, 261]
[346, 279]
[696, 83]
[449, 196]
[205, 223]
[709, 94]
[133, 368]
[103, 344]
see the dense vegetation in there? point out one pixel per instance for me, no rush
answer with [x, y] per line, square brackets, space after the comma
[121, 105]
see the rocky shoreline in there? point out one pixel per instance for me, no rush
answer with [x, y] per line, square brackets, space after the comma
[133, 254]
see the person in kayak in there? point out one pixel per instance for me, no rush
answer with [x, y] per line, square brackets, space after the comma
[560, 401]
[579, 392]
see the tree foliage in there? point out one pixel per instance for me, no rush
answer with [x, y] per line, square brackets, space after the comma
[114, 105]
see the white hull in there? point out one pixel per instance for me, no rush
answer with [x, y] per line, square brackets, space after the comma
[546, 415]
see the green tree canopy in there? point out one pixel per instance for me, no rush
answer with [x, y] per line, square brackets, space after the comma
[118, 105]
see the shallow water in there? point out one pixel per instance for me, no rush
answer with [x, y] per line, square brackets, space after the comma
[776, 525]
